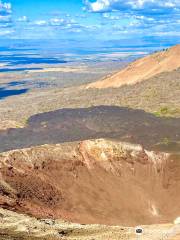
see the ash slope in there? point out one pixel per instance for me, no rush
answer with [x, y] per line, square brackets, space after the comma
[144, 68]
[22, 227]
[93, 181]
[67, 125]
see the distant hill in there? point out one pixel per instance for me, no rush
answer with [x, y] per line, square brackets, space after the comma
[144, 68]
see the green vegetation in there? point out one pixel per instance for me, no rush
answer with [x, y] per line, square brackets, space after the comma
[167, 112]
[166, 141]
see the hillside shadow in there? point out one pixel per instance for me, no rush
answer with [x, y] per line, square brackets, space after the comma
[4, 70]
[67, 125]
[4, 93]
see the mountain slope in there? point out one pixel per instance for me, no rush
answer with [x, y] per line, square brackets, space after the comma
[144, 68]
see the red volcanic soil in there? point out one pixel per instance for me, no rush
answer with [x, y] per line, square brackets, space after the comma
[144, 68]
[93, 181]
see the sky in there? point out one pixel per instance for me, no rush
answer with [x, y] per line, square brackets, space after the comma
[156, 21]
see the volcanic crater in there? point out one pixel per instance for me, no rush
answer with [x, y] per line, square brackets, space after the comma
[109, 165]
[122, 180]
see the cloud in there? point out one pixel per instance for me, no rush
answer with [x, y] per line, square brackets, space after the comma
[57, 21]
[110, 17]
[23, 19]
[6, 32]
[137, 17]
[61, 23]
[5, 18]
[99, 5]
[40, 23]
[156, 6]
[5, 9]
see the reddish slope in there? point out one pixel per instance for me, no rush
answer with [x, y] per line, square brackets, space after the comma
[142, 69]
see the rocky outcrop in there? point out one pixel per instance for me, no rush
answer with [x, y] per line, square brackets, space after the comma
[144, 68]
[93, 181]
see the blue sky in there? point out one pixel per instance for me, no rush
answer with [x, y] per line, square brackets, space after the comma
[157, 20]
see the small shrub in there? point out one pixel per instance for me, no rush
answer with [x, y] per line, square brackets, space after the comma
[164, 110]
